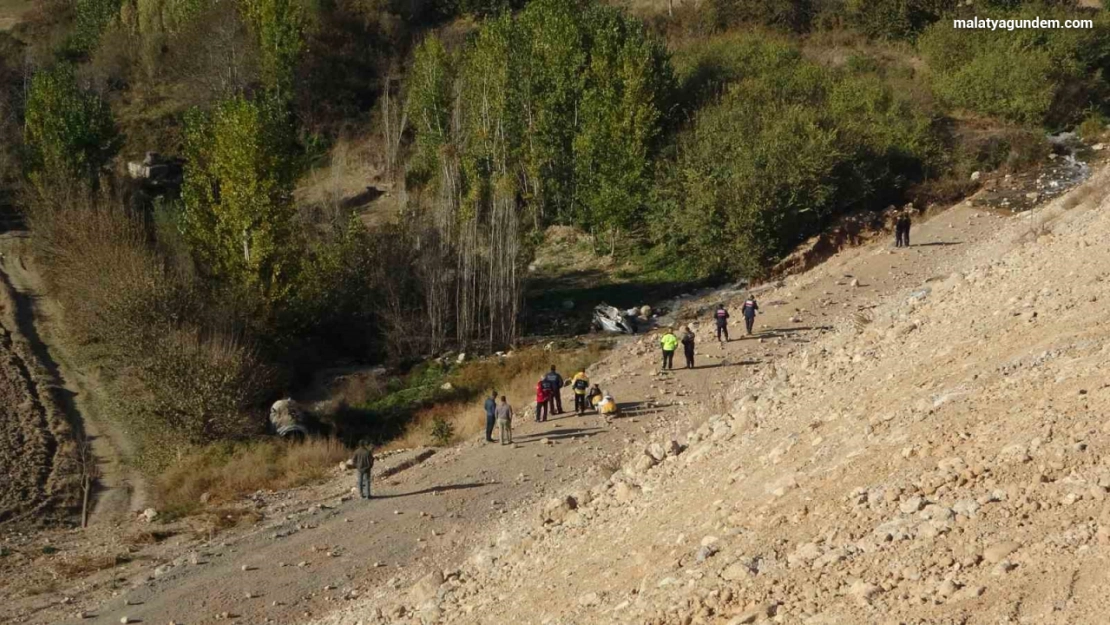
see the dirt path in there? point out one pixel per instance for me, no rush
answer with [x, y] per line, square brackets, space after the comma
[119, 490]
[433, 515]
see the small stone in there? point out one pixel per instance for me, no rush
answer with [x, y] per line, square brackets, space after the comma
[589, 599]
[999, 551]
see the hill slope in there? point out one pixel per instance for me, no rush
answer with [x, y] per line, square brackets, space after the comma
[937, 457]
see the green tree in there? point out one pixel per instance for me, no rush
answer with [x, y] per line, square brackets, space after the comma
[279, 26]
[91, 17]
[69, 132]
[238, 208]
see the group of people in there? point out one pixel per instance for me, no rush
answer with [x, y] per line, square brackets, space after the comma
[549, 401]
[669, 341]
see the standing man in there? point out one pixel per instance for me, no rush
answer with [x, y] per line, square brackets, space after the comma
[722, 322]
[749, 310]
[505, 421]
[555, 387]
[906, 222]
[688, 347]
[363, 461]
[669, 343]
[542, 397]
[580, 384]
[491, 415]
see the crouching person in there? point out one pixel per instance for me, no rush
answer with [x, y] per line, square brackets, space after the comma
[364, 462]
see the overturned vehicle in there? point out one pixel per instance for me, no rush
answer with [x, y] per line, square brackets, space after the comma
[289, 420]
[610, 319]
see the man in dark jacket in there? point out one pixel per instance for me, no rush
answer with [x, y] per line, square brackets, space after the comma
[491, 415]
[722, 322]
[364, 462]
[554, 386]
[749, 310]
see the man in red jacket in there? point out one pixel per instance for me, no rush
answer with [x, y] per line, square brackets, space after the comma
[543, 396]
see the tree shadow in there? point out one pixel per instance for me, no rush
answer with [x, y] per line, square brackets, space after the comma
[361, 199]
[937, 243]
[435, 489]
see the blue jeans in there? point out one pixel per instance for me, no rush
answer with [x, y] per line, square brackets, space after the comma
[364, 484]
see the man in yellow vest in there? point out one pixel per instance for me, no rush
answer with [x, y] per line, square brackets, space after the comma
[669, 343]
[580, 384]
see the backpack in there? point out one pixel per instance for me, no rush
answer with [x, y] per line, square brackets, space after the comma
[580, 385]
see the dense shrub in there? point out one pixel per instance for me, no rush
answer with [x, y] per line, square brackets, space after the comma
[176, 368]
[788, 145]
[1028, 76]
[69, 132]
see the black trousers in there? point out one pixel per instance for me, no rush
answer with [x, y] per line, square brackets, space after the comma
[688, 351]
[749, 322]
[490, 419]
[668, 359]
[556, 402]
[722, 329]
[580, 403]
[541, 410]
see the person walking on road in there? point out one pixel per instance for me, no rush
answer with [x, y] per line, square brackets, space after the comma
[579, 384]
[906, 222]
[364, 462]
[749, 311]
[555, 387]
[722, 322]
[491, 410]
[669, 343]
[542, 398]
[504, 414]
[688, 347]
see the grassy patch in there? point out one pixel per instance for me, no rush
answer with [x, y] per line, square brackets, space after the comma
[227, 471]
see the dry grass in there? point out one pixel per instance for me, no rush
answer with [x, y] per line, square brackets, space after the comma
[82, 565]
[227, 471]
[515, 377]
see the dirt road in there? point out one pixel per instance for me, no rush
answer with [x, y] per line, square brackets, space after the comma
[431, 516]
[119, 488]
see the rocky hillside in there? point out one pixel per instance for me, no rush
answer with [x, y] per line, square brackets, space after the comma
[939, 456]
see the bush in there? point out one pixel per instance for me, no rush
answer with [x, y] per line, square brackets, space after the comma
[176, 370]
[1027, 76]
[69, 132]
[443, 431]
[789, 145]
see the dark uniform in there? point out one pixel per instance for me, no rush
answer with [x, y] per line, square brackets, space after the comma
[722, 322]
[555, 388]
[750, 307]
[364, 462]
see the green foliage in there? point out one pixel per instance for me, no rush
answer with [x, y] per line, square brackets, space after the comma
[428, 106]
[1027, 76]
[91, 18]
[279, 26]
[789, 15]
[238, 209]
[70, 134]
[569, 96]
[788, 145]
[896, 19]
[443, 431]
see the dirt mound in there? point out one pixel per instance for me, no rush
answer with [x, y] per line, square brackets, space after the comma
[938, 456]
